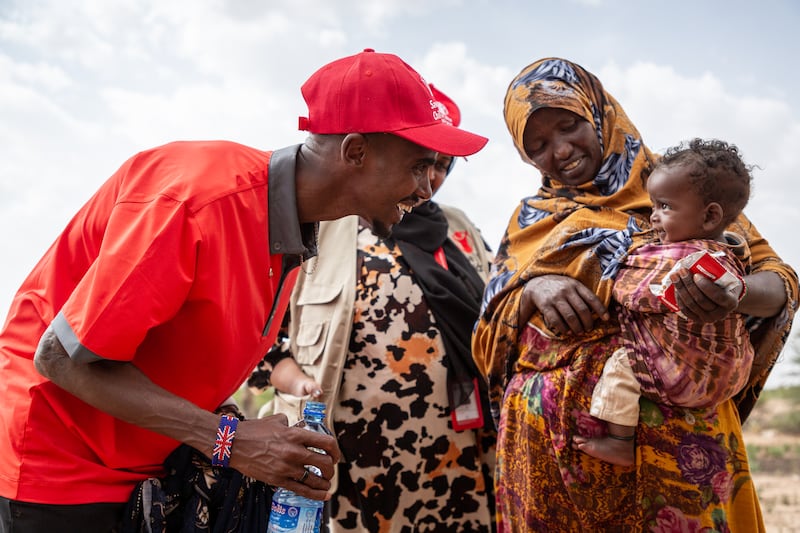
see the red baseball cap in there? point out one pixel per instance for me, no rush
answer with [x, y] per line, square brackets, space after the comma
[372, 92]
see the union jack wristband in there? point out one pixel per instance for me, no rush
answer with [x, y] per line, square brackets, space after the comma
[224, 443]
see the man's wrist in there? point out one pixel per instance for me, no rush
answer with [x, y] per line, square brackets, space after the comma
[223, 444]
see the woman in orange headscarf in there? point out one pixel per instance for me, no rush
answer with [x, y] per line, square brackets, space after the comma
[546, 331]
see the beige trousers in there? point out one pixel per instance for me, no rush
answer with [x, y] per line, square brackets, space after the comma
[616, 396]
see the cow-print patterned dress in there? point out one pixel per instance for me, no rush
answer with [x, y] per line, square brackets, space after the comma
[404, 468]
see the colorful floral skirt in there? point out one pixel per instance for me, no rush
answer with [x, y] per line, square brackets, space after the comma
[690, 474]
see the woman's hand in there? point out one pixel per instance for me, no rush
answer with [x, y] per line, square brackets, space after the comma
[701, 299]
[565, 303]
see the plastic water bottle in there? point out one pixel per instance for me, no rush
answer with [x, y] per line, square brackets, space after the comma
[314, 417]
[291, 513]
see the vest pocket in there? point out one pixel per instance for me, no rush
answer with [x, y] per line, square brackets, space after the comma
[316, 306]
[310, 341]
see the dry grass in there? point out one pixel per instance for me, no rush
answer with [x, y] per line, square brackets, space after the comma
[780, 501]
[772, 436]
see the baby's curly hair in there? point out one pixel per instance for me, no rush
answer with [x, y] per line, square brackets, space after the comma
[716, 170]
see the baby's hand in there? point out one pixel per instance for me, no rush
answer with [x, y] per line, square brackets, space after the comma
[309, 387]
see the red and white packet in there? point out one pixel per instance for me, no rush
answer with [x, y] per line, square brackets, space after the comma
[706, 264]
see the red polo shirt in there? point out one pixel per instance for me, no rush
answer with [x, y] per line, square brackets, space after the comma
[167, 266]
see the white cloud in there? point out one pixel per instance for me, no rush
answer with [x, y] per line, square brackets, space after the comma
[379, 14]
[474, 85]
[49, 77]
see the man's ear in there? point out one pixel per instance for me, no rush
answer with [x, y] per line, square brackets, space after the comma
[713, 216]
[354, 148]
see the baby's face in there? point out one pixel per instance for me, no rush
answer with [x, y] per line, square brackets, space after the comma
[678, 210]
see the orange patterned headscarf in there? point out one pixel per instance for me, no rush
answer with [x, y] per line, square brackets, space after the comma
[557, 83]
[576, 231]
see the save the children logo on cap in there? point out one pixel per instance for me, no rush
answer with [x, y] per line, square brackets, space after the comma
[444, 108]
[439, 102]
[440, 112]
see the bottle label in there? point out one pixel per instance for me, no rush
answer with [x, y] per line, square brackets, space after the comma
[284, 517]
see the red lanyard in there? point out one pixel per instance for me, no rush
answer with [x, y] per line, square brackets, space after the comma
[440, 258]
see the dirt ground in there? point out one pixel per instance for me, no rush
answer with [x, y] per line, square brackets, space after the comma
[775, 465]
[780, 501]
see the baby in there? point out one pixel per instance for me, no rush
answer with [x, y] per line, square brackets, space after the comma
[697, 191]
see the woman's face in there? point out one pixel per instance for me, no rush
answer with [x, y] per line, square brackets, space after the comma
[562, 145]
[439, 171]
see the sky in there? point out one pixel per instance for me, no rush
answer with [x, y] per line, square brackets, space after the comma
[85, 84]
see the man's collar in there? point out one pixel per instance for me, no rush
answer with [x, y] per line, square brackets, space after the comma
[286, 235]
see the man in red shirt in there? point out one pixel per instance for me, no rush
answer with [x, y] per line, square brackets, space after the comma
[168, 285]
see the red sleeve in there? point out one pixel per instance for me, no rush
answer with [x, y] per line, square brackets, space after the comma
[140, 279]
